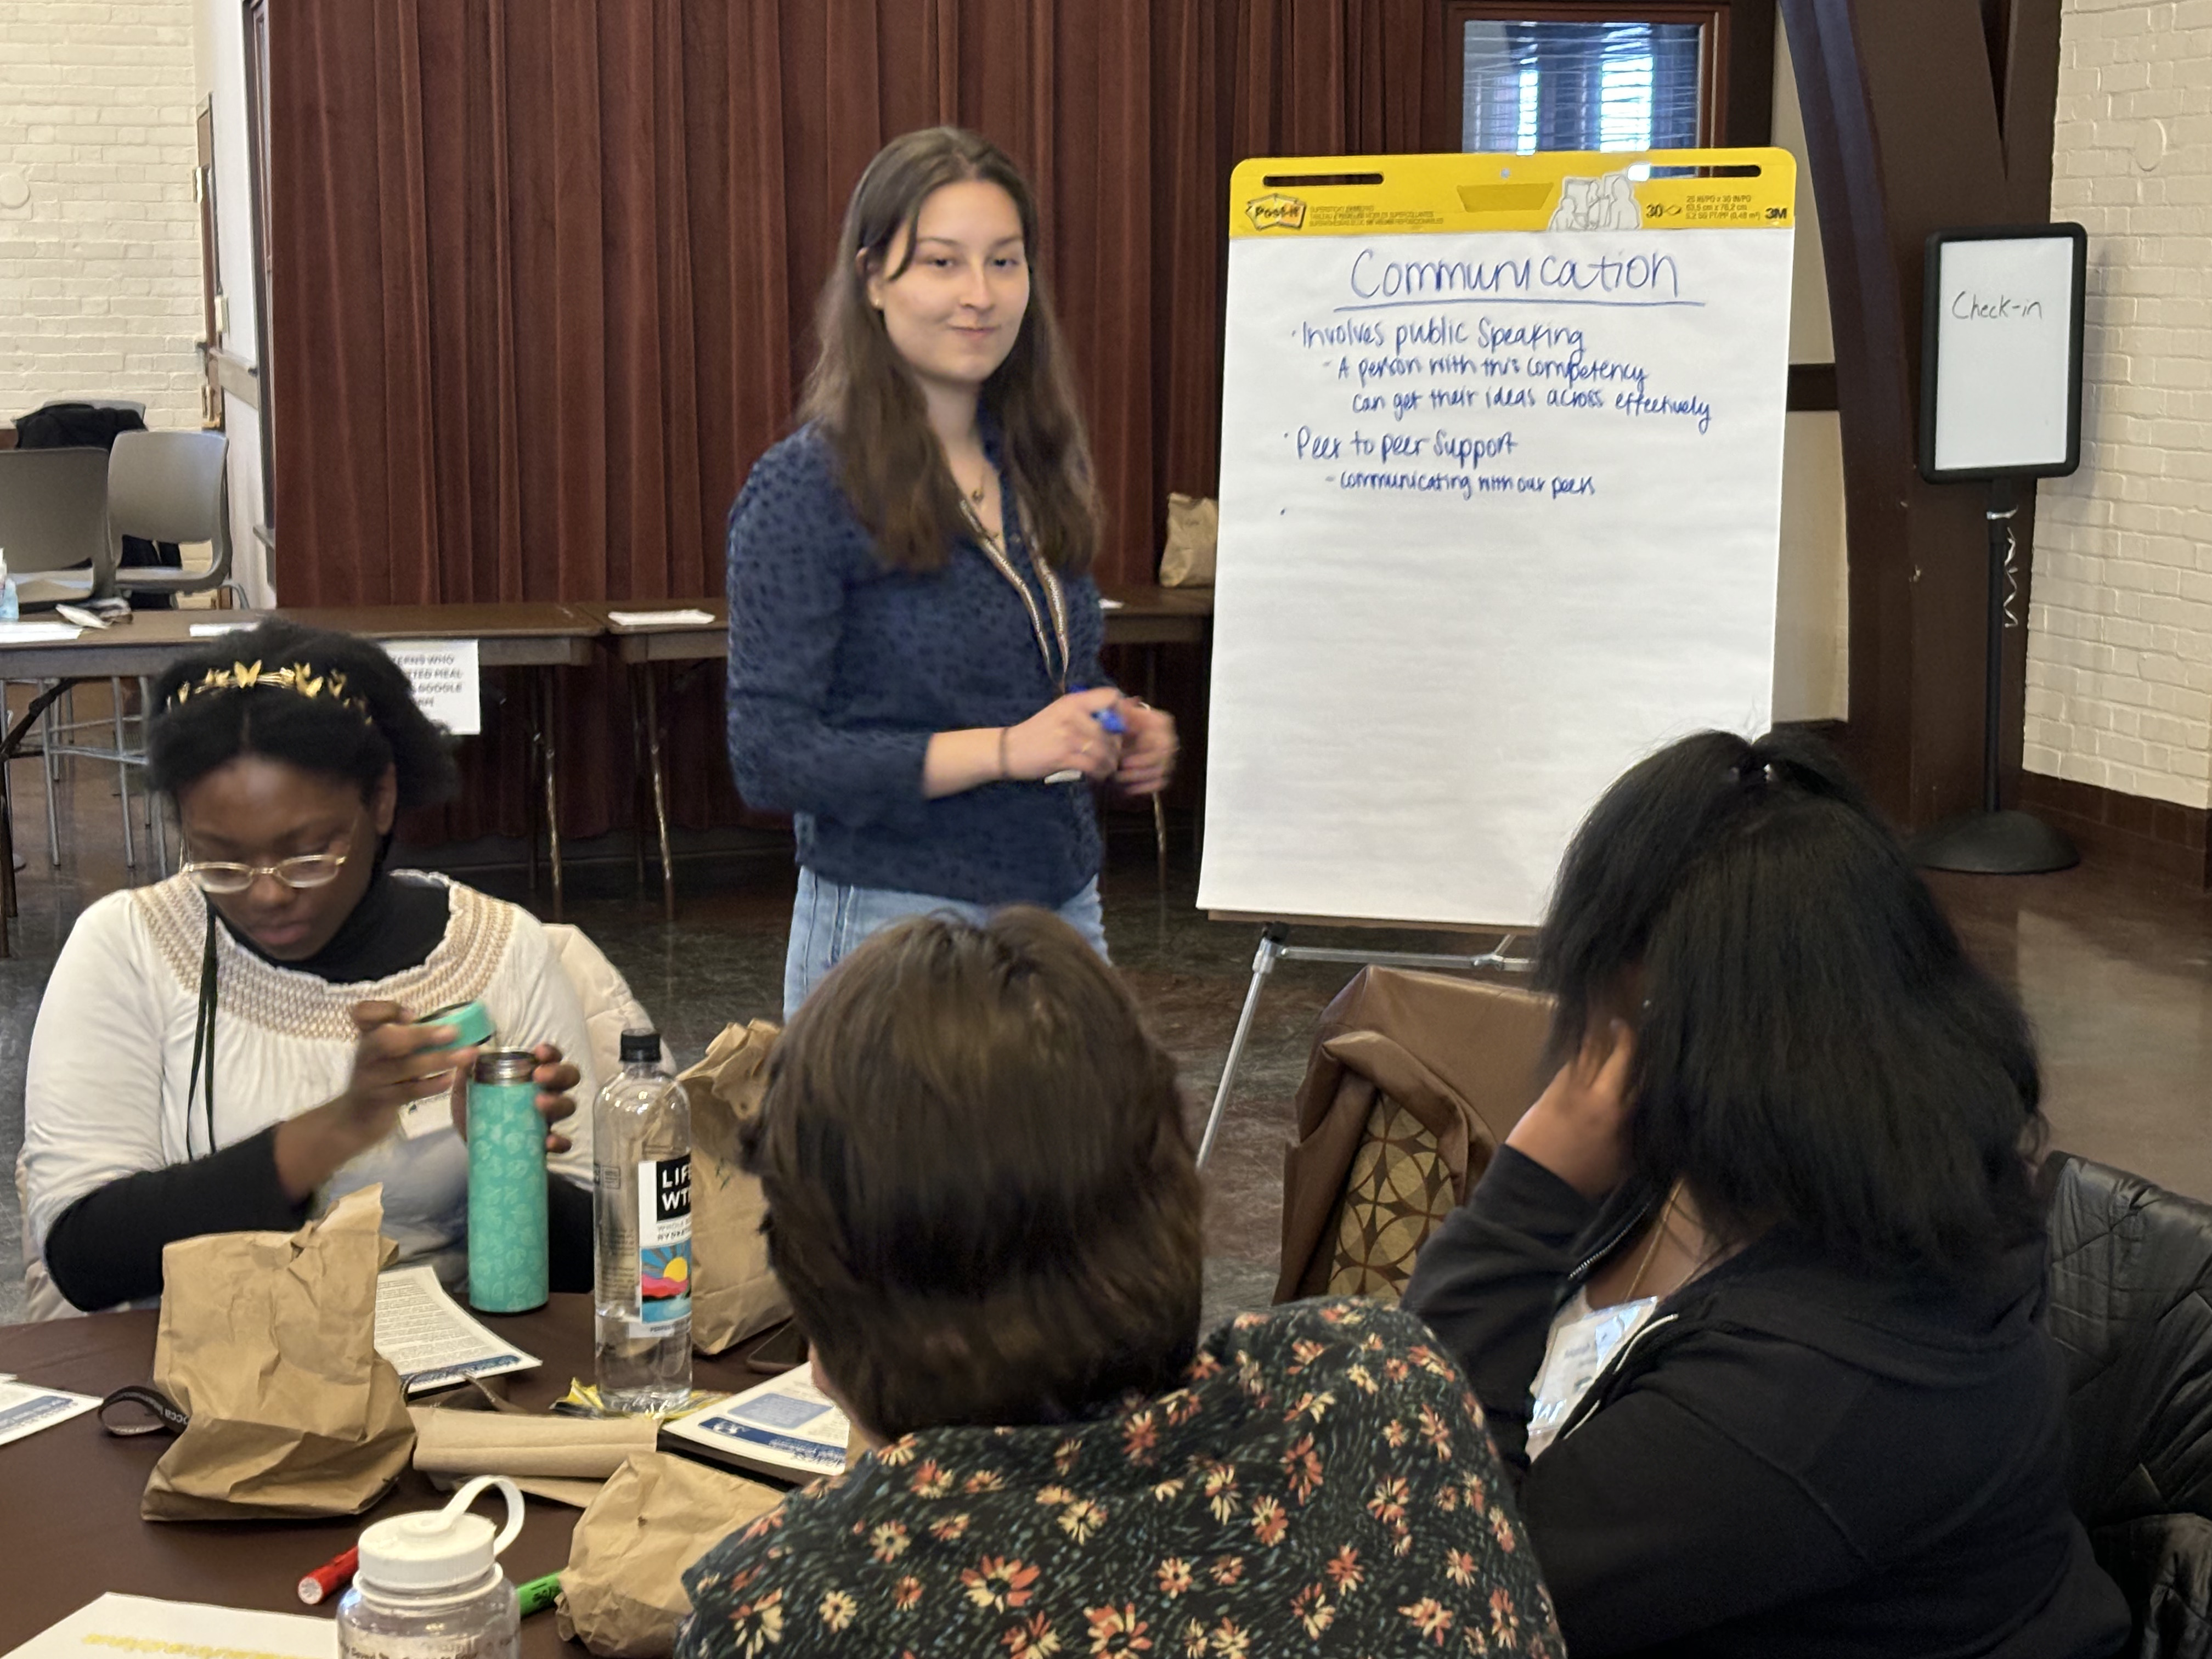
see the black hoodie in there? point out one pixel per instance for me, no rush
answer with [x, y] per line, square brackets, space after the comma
[1790, 1458]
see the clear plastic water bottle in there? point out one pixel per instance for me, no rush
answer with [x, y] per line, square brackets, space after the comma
[429, 1587]
[641, 1226]
[11, 605]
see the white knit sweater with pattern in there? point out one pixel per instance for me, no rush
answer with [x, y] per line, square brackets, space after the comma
[113, 1049]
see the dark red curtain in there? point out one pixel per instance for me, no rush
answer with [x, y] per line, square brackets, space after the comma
[544, 269]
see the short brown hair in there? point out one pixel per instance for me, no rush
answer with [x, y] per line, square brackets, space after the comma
[981, 1192]
[866, 403]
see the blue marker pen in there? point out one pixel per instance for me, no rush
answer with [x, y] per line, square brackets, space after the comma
[1110, 718]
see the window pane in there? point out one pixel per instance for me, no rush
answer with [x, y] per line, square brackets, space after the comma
[1579, 86]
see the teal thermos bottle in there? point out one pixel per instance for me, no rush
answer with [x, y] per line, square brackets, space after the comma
[507, 1184]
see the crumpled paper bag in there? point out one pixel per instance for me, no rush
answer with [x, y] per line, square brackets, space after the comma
[268, 1342]
[734, 1293]
[622, 1592]
[1194, 529]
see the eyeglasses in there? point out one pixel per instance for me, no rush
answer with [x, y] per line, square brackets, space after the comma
[308, 870]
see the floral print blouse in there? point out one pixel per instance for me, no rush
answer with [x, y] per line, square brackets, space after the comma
[1322, 1483]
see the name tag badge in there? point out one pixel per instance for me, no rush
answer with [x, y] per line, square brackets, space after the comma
[431, 1115]
[1576, 1355]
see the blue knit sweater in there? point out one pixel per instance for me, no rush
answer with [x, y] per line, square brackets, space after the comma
[841, 668]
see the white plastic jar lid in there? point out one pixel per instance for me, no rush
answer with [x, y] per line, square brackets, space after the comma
[438, 1549]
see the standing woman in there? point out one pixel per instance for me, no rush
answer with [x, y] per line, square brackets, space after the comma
[914, 630]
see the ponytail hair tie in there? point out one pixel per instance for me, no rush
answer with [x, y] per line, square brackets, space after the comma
[1755, 769]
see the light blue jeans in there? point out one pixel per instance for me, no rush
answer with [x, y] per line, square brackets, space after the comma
[829, 918]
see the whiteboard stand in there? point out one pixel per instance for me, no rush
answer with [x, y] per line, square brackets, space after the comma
[1274, 947]
[2001, 400]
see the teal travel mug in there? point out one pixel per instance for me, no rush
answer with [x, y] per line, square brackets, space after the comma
[507, 1184]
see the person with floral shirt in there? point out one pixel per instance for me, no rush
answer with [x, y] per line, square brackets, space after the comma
[982, 1200]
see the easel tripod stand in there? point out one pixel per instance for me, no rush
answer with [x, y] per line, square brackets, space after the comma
[1274, 947]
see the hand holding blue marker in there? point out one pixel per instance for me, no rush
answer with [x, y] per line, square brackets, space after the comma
[1110, 718]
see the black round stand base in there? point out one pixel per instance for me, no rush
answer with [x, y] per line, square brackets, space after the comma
[1994, 844]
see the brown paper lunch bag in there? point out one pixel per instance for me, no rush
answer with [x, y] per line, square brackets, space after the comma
[1194, 529]
[622, 1592]
[734, 1293]
[267, 1341]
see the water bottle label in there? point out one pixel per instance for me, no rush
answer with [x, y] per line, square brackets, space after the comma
[663, 1239]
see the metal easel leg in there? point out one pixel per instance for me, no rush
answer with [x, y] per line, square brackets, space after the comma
[637, 782]
[122, 770]
[53, 772]
[533, 758]
[7, 840]
[157, 828]
[546, 698]
[1263, 964]
[659, 772]
[1273, 949]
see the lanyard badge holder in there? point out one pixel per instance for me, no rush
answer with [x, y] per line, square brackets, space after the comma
[1056, 598]
[1576, 1356]
[1581, 1349]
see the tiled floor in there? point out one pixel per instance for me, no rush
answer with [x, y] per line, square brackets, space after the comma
[2116, 972]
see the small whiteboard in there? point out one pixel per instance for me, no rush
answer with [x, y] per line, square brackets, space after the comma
[2000, 353]
[1501, 481]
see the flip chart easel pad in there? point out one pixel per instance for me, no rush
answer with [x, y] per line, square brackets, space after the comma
[1500, 513]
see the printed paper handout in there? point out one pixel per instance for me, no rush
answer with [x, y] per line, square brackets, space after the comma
[430, 1339]
[444, 676]
[785, 1427]
[24, 1409]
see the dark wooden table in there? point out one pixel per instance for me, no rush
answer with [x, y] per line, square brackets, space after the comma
[138, 649]
[69, 1495]
[1136, 615]
[532, 635]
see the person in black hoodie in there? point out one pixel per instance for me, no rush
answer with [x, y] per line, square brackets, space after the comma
[1758, 1279]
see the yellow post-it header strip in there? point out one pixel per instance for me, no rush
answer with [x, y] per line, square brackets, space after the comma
[1625, 190]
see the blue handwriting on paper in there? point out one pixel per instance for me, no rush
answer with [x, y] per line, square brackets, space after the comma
[1436, 367]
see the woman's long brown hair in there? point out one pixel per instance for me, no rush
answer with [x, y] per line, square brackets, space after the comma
[866, 403]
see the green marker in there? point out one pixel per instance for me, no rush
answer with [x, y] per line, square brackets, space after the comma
[539, 1594]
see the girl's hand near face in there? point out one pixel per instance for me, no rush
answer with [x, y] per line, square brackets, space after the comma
[1578, 1128]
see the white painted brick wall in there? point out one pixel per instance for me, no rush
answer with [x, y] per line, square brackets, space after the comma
[99, 270]
[2119, 656]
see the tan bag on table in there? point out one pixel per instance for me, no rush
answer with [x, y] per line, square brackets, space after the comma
[267, 1341]
[734, 1293]
[1194, 527]
[622, 1592]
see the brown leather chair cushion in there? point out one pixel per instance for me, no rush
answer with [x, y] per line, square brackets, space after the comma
[1415, 1077]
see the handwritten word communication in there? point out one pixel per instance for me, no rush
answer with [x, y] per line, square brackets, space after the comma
[1608, 277]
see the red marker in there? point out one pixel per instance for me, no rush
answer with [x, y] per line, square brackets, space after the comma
[329, 1578]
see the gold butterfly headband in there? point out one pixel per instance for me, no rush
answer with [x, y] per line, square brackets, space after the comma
[249, 677]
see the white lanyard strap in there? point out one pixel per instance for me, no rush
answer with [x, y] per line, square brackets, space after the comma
[1055, 597]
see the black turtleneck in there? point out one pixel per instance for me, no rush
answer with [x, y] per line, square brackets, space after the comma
[394, 927]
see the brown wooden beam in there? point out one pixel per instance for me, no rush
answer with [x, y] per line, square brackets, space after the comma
[1920, 115]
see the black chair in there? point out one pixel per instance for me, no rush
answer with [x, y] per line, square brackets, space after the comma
[2131, 1309]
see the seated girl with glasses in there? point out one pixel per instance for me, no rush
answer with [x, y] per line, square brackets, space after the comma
[230, 1049]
